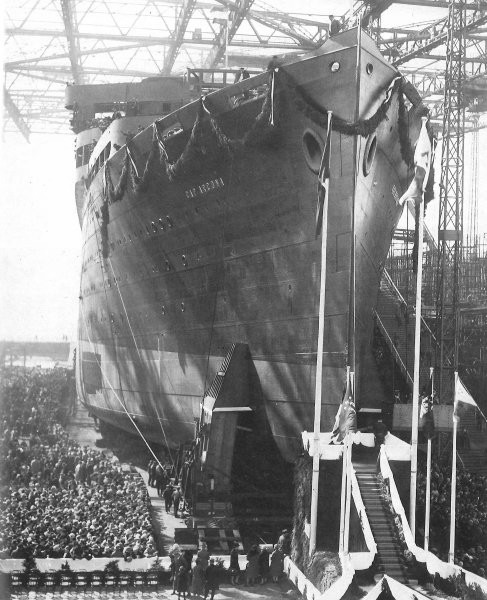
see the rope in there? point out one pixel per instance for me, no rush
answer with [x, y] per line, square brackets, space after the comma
[138, 352]
[113, 390]
[123, 305]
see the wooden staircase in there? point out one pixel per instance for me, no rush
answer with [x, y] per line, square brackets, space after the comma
[390, 560]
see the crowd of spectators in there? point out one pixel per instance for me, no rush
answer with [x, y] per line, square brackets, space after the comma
[471, 516]
[59, 499]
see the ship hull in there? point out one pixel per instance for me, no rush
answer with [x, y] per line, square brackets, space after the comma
[229, 253]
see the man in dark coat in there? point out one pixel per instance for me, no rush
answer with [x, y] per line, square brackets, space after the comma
[151, 468]
[167, 495]
[176, 499]
[160, 479]
[212, 579]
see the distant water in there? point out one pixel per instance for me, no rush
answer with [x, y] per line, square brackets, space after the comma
[42, 362]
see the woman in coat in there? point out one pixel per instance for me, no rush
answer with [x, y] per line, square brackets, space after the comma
[277, 564]
[182, 580]
[234, 566]
[198, 579]
[252, 571]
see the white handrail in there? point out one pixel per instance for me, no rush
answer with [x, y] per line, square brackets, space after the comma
[299, 579]
[433, 563]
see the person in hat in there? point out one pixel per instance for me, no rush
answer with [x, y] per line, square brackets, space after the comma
[212, 579]
[167, 495]
[276, 564]
[284, 541]
[252, 570]
[234, 566]
[198, 579]
[176, 499]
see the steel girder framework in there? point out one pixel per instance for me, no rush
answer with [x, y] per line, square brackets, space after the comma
[50, 42]
[70, 26]
[450, 225]
[228, 29]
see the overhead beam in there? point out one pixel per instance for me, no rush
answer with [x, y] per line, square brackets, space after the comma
[68, 9]
[481, 5]
[182, 21]
[16, 116]
[280, 21]
[105, 50]
[465, 59]
[414, 48]
[164, 41]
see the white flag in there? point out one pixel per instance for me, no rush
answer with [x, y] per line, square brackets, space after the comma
[422, 152]
[422, 165]
[462, 394]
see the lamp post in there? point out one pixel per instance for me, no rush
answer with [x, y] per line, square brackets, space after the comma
[212, 497]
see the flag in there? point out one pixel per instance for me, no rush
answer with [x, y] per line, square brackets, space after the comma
[462, 395]
[323, 176]
[422, 165]
[426, 411]
[346, 417]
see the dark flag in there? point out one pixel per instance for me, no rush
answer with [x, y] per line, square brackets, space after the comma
[426, 411]
[346, 417]
[323, 177]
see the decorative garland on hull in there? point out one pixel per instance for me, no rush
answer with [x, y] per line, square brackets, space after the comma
[208, 143]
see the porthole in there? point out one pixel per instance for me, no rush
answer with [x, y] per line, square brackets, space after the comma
[369, 69]
[369, 153]
[334, 66]
[313, 150]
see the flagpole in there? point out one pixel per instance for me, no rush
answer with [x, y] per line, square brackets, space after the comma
[319, 372]
[427, 514]
[342, 495]
[348, 497]
[453, 497]
[417, 342]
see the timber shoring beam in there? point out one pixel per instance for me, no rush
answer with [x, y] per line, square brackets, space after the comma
[16, 115]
